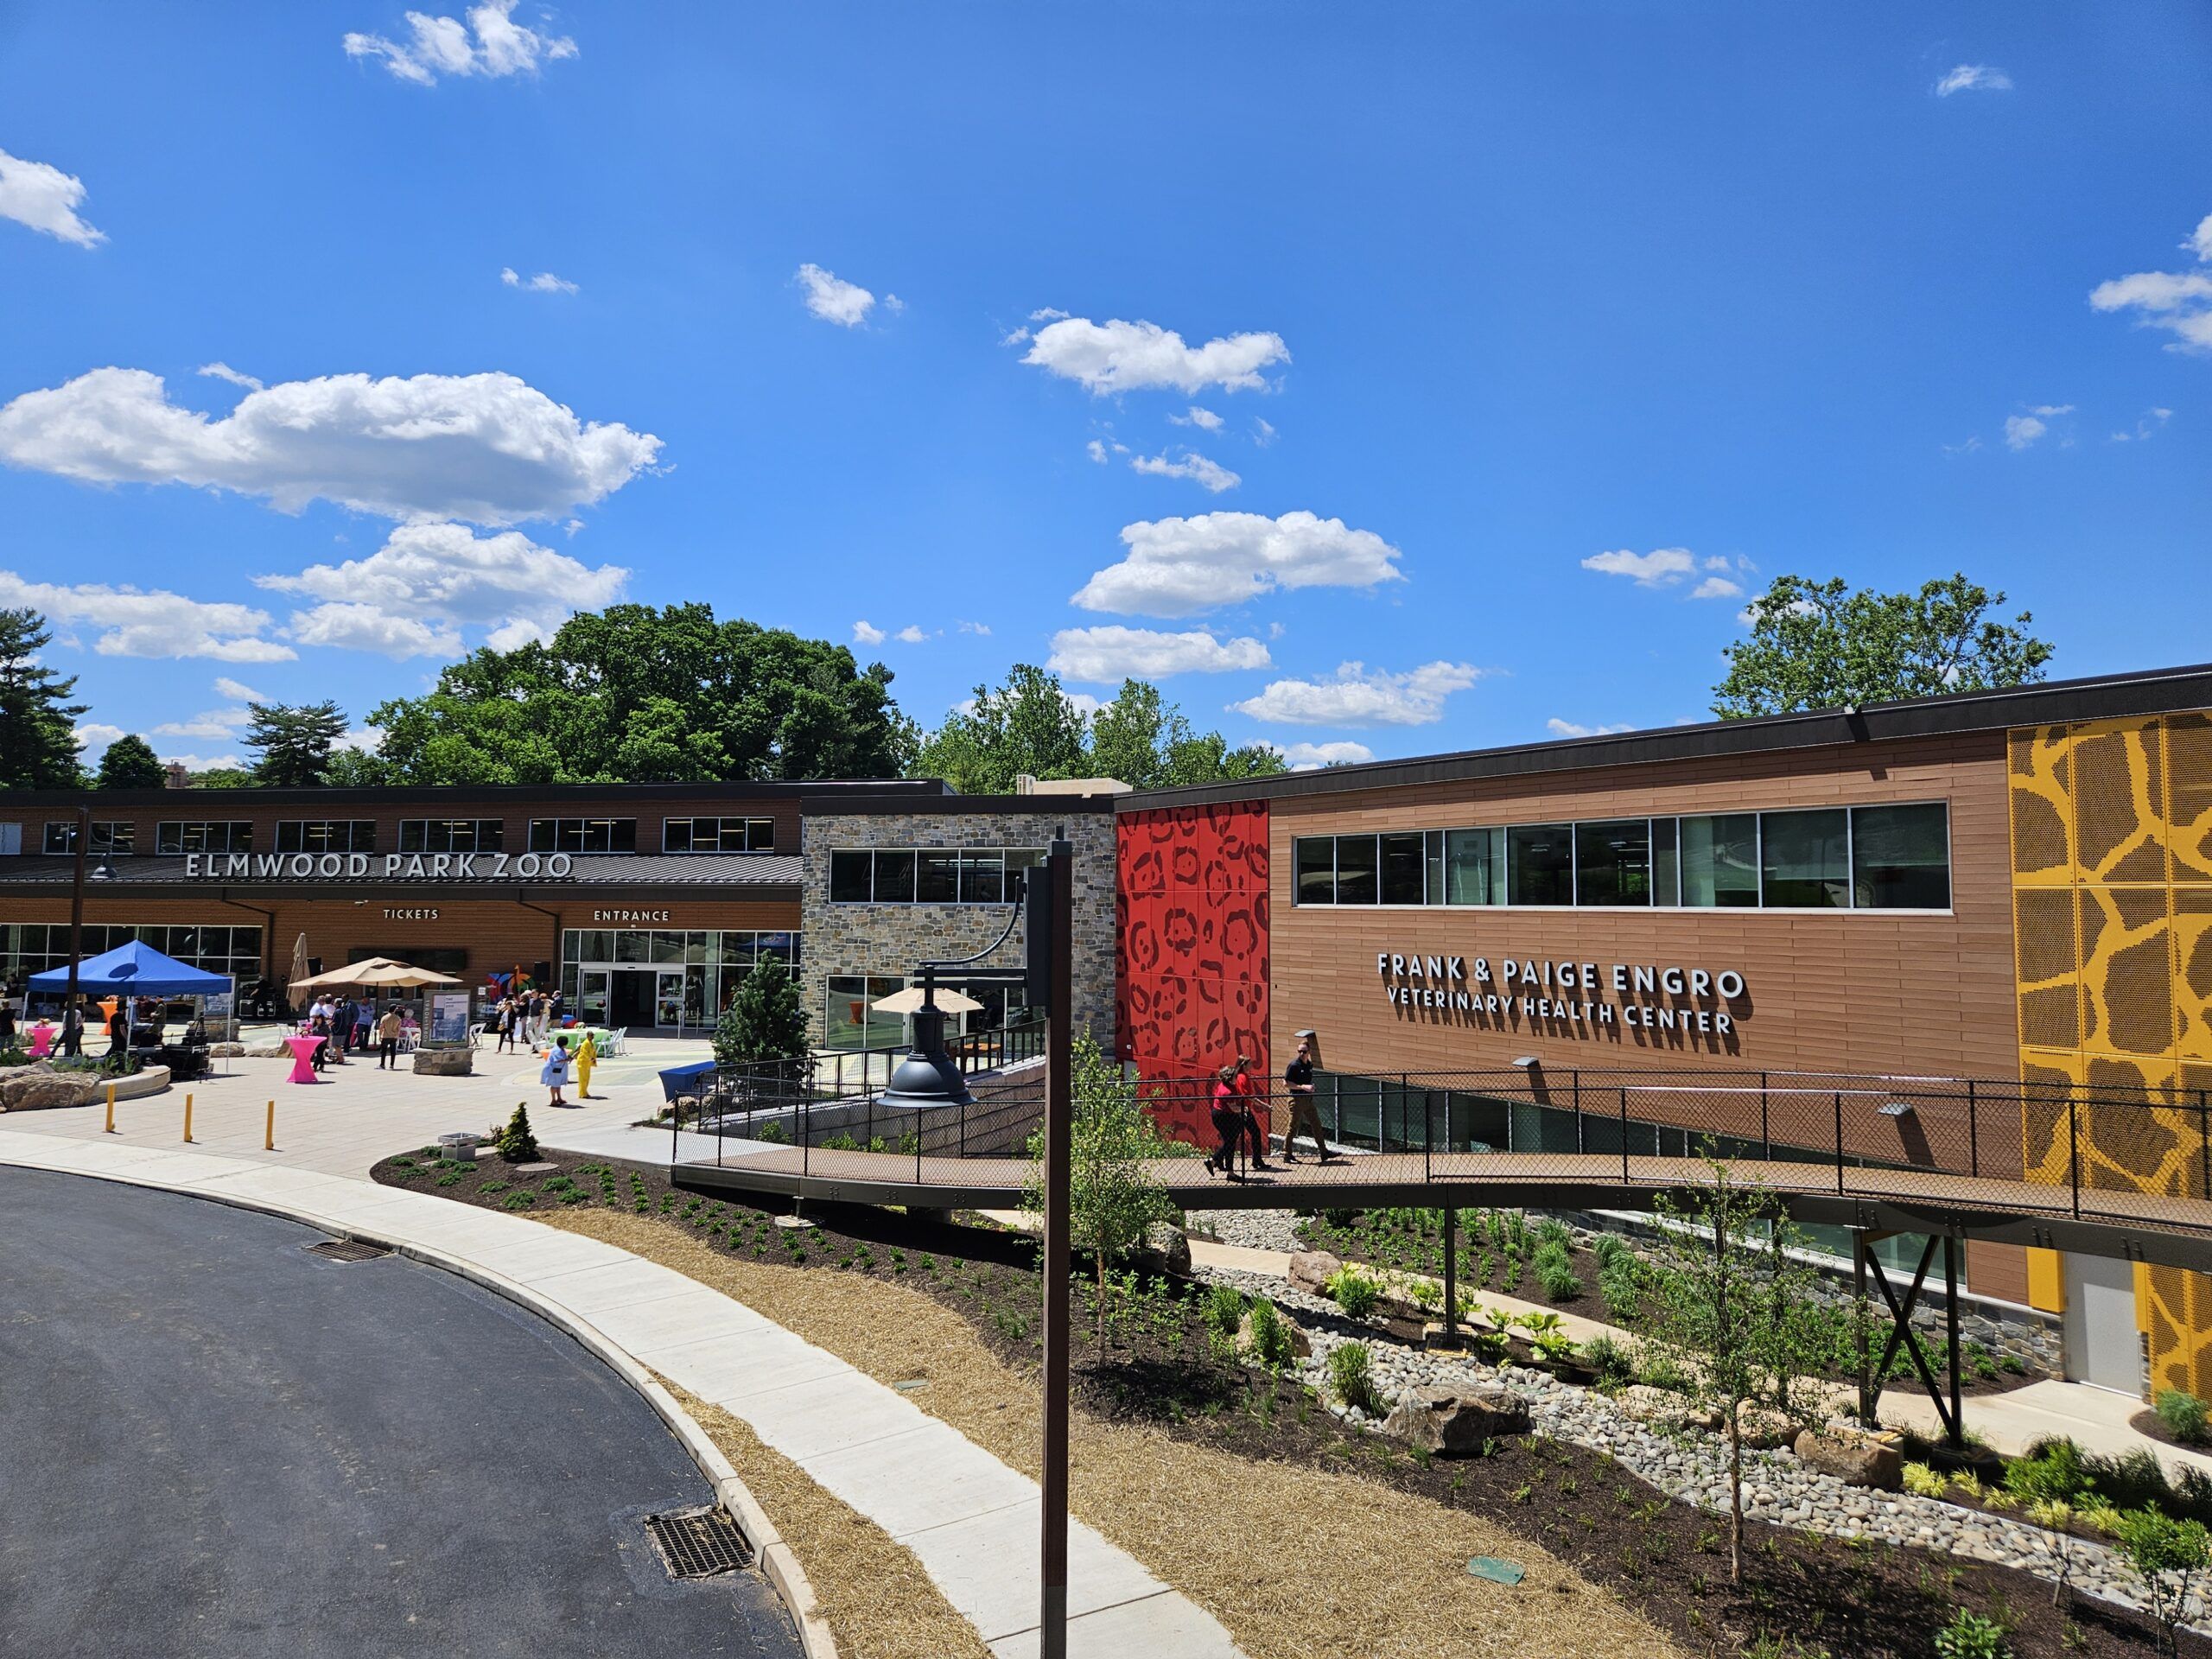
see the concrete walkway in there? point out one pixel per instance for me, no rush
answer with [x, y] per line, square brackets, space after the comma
[970, 1521]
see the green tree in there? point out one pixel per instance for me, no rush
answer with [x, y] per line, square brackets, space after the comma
[1113, 1196]
[222, 778]
[293, 742]
[2168, 1553]
[129, 763]
[1734, 1315]
[1815, 644]
[765, 1021]
[358, 769]
[638, 695]
[1031, 725]
[1026, 726]
[38, 723]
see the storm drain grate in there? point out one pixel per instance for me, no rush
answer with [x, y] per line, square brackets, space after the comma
[347, 1250]
[698, 1543]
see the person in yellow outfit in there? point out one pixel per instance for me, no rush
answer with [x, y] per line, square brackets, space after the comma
[586, 1058]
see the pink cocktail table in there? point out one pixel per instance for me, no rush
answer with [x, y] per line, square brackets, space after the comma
[303, 1050]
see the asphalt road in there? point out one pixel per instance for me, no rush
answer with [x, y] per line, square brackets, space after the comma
[213, 1443]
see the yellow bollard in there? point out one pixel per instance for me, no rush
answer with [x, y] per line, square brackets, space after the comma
[110, 1109]
[188, 1117]
[269, 1141]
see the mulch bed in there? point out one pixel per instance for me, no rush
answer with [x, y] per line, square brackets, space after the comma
[1666, 1560]
[2148, 1422]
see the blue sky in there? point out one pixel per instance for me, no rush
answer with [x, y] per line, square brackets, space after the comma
[1499, 334]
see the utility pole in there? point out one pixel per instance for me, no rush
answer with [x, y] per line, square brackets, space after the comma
[1059, 908]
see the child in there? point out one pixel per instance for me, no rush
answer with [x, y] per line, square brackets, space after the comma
[555, 1074]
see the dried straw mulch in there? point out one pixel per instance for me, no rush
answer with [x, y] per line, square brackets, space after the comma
[1297, 1562]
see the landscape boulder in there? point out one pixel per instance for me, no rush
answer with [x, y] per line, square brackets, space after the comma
[1762, 1427]
[1454, 1422]
[442, 1062]
[274, 1051]
[1310, 1270]
[225, 1051]
[1663, 1409]
[34, 1088]
[1167, 1248]
[1854, 1459]
[1299, 1344]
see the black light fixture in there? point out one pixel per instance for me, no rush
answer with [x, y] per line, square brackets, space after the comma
[927, 1076]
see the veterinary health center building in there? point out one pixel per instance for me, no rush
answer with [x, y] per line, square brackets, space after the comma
[2011, 892]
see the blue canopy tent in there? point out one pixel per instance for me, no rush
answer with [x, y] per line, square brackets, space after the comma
[133, 970]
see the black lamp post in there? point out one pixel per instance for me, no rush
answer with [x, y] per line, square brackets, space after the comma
[927, 1076]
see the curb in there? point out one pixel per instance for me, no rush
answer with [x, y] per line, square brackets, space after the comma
[782, 1567]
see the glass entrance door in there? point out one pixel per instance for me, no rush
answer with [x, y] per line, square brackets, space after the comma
[669, 1004]
[591, 1001]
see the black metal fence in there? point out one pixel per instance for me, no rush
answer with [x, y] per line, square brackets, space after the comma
[2104, 1153]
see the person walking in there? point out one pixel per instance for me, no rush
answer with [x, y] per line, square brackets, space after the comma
[503, 1021]
[118, 1031]
[1305, 1114]
[1246, 1095]
[72, 1029]
[388, 1030]
[1228, 1123]
[555, 1072]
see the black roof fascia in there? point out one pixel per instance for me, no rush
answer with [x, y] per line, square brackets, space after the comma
[900, 789]
[2053, 704]
[1034, 805]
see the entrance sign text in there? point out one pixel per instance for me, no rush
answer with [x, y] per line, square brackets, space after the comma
[392, 867]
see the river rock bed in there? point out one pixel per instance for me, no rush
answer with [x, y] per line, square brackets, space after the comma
[1693, 1465]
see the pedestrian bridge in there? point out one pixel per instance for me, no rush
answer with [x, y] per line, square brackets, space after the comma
[2057, 1167]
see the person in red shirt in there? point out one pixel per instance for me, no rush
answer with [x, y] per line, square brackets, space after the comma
[1228, 1123]
[1246, 1094]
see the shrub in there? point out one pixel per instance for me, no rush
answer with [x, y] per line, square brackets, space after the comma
[1552, 1231]
[841, 1141]
[516, 1143]
[2052, 1471]
[1428, 1295]
[1354, 1292]
[1969, 1635]
[1224, 1309]
[2183, 1413]
[1559, 1281]
[1270, 1337]
[2168, 1553]
[1609, 1358]
[1350, 1378]
[1610, 1248]
[1547, 1335]
[1620, 1283]
[774, 1132]
[1923, 1481]
[1660, 1371]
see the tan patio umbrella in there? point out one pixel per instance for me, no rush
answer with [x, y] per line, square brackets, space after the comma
[377, 970]
[910, 1001]
[299, 959]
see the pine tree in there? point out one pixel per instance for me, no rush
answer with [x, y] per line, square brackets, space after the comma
[517, 1143]
[38, 737]
[129, 763]
[293, 742]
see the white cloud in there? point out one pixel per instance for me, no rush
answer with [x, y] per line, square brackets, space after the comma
[95, 734]
[1716, 588]
[983, 628]
[1120, 356]
[2021, 430]
[221, 724]
[1310, 756]
[1359, 697]
[366, 739]
[1966, 449]
[1097, 451]
[1209, 475]
[486, 447]
[2145, 428]
[1110, 655]
[1661, 569]
[219, 370]
[441, 46]
[1082, 701]
[2180, 301]
[237, 690]
[1559, 728]
[1181, 567]
[832, 299]
[205, 762]
[1973, 78]
[1204, 419]
[912, 634]
[867, 634]
[412, 596]
[1263, 432]
[544, 282]
[157, 624]
[45, 198]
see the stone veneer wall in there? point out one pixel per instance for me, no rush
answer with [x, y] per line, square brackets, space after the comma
[891, 939]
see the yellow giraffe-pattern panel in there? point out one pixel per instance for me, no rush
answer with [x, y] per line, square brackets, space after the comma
[2112, 877]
